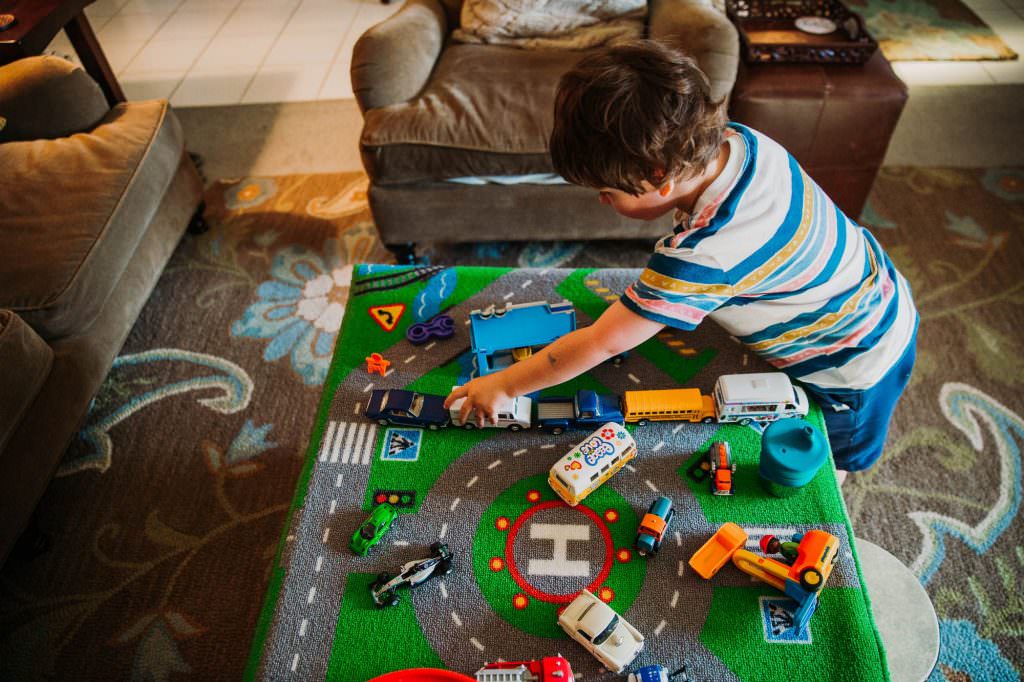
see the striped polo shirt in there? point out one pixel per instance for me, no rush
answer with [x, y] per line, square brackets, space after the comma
[768, 256]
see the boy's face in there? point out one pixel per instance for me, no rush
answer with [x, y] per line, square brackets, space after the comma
[650, 205]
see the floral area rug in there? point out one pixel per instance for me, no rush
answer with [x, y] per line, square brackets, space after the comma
[168, 508]
[930, 30]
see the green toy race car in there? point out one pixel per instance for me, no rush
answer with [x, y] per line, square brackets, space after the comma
[373, 528]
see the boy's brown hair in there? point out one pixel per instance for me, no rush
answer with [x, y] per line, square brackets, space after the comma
[633, 112]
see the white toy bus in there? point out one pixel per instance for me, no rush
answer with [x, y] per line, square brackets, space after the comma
[761, 397]
[588, 465]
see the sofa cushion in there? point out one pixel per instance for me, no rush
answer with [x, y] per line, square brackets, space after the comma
[75, 209]
[26, 361]
[487, 110]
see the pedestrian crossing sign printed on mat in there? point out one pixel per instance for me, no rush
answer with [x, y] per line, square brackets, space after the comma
[778, 615]
[402, 445]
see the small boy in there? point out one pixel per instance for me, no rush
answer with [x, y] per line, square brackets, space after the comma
[758, 247]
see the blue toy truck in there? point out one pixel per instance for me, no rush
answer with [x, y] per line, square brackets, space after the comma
[653, 526]
[586, 410]
[658, 673]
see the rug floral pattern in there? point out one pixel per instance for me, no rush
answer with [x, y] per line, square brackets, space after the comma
[927, 30]
[168, 508]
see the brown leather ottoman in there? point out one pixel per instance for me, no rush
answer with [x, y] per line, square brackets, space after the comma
[835, 119]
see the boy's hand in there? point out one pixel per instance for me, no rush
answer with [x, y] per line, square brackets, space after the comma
[483, 396]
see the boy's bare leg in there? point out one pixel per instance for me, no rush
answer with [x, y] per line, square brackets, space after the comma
[841, 475]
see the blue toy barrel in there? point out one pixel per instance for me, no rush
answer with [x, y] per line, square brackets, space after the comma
[792, 451]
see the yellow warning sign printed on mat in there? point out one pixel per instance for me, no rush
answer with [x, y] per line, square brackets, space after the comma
[387, 316]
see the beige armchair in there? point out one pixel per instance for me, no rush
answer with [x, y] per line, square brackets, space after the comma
[435, 110]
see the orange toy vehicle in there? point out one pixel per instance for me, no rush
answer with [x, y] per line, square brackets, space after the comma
[816, 554]
[722, 468]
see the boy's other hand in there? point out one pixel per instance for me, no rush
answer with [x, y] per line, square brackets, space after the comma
[483, 396]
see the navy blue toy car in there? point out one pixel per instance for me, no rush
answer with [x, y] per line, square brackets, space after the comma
[407, 408]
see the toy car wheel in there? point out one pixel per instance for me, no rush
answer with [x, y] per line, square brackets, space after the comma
[444, 568]
[435, 548]
[707, 420]
[745, 421]
[382, 578]
[810, 579]
[515, 427]
[433, 427]
[557, 430]
[641, 552]
[714, 465]
[383, 422]
[641, 422]
[469, 426]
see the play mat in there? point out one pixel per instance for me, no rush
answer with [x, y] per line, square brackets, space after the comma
[519, 553]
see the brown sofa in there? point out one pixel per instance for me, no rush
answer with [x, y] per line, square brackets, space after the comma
[93, 201]
[434, 109]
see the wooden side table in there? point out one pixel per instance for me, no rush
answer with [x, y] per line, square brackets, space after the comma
[38, 21]
[836, 119]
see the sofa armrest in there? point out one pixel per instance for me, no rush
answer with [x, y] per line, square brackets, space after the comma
[47, 98]
[703, 32]
[392, 61]
[26, 360]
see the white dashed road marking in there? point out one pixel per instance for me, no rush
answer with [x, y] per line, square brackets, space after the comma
[456, 619]
[302, 628]
[678, 428]
[519, 452]
[493, 464]
[366, 389]
[319, 563]
[312, 595]
[327, 534]
[401, 543]
[337, 482]
[410, 359]
[675, 599]
[508, 295]
[472, 481]
[333, 507]
[444, 531]
[633, 378]
[682, 566]
[455, 503]
[661, 626]
[526, 284]
[475, 642]
[659, 446]
[444, 590]
[547, 446]
[650, 485]
[326, 444]
[631, 468]
[357, 408]
[295, 662]
[679, 539]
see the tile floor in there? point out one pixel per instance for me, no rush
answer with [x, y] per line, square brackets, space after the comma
[222, 52]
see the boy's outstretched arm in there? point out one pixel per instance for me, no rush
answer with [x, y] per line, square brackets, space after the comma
[617, 330]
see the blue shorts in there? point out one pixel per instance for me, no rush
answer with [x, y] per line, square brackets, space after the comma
[858, 421]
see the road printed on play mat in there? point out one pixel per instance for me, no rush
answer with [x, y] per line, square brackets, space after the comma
[453, 614]
[302, 632]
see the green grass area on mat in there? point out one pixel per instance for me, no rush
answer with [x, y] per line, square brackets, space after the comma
[498, 587]
[681, 369]
[346, 358]
[842, 634]
[818, 502]
[367, 638]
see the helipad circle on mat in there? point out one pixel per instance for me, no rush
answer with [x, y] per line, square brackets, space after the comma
[532, 554]
[543, 595]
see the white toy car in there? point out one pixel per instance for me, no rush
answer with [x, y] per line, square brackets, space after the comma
[604, 633]
[514, 415]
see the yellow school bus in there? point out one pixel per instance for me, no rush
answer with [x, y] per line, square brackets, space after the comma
[670, 404]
